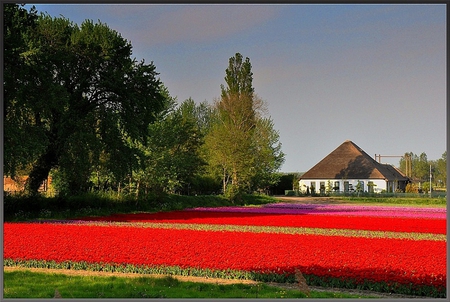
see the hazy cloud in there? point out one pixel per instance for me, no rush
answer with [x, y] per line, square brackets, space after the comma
[201, 23]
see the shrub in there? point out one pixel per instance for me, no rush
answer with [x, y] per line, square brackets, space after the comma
[234, 193]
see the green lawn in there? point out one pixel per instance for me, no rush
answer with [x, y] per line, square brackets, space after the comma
[395, 201]
[27, 284]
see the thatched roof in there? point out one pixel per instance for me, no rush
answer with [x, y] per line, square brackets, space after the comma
[348, 161]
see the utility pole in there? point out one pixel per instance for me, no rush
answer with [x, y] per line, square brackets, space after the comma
[430, 181]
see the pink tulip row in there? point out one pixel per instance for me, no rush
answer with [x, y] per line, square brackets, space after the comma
[251, 216]
[346, 210]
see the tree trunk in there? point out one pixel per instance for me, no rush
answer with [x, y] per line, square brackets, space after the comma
[40, 172]
[137, 189]
[224, 181]
[234, 179]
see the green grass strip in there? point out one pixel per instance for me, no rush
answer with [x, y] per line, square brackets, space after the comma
[26, 284]
[274, 229]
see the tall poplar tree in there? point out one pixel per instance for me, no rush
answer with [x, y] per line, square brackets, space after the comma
[242, 146]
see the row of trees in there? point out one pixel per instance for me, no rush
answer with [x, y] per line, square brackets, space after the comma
[79, 107]
[420, 168]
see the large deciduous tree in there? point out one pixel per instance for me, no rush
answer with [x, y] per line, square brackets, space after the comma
[242, 146]
[23, 140]
[83, 95]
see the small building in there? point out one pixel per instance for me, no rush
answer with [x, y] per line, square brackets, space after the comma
[17, 185]
[349, 169]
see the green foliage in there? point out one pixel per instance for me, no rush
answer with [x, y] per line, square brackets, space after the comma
[426, 187]
[59, 182]
[204, 184]
[411, 188]
[172, 157]
[23, 139]
[269, 157]
[233, 193]
[421, 168]
[287, 182]
[24, 207]
[239, 78]
[242, 147]
[80, 95]
[440, 171]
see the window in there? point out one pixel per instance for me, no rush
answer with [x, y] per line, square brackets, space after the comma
[322, 187]
[336, 186]
[313, 186]
[346, 186]
[370, 186]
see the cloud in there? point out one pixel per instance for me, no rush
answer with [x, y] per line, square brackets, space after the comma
[199, 23]
[163, 24]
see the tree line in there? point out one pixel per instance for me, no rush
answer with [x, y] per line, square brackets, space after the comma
[79, 107]
[420, 170]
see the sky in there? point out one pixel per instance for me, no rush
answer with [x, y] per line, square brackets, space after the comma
[374, 74]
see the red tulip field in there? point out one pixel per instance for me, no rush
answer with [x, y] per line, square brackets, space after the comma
[386, 249]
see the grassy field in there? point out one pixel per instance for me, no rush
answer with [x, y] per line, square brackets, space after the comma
[26, 284]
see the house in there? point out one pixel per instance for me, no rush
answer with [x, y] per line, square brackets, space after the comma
[17, 185]
[348, 169]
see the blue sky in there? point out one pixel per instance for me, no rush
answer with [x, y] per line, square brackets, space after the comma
[373, 74]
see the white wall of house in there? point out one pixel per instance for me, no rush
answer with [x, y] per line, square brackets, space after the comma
[347, 185]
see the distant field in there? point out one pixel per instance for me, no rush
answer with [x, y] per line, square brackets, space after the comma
[422, 201]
